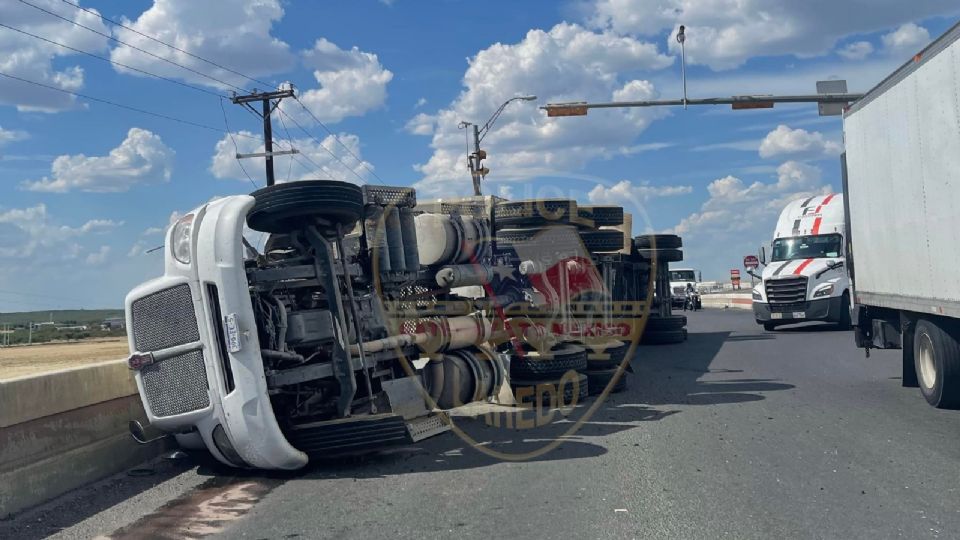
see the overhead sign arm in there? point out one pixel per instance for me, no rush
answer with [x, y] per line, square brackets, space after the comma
[738, 102]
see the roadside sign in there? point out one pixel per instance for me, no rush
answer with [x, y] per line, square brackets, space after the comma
[751, 262]
[735, 278]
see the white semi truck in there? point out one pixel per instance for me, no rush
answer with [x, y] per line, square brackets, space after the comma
[805, 280]
[902, 181]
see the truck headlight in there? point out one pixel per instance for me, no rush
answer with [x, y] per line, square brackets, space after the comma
[756, 295]
[823, 291]
[180, 239]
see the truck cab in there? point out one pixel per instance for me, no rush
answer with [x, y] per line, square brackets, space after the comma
[804, 280]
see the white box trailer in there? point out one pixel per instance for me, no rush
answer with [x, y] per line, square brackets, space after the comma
[901, 175]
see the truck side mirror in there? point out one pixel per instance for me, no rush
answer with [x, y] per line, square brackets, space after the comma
[699, 276]
[763, 255]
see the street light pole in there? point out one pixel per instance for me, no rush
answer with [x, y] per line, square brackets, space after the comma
[475, 160]
[475, 167]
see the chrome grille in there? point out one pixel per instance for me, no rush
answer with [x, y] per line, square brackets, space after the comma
[176, 385]
[787, 290]
[164, 319]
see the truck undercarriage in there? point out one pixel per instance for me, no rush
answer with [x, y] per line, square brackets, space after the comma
[365, 315]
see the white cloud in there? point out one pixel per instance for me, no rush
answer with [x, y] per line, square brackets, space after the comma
[232, 33]
[747, 145]
[626, 191]
[736, 208]
[98, 257]
[11, 135]
[324, 165]
[142, 158]
[421, 124]
[29, 58]
[857, 50]
[723, 34]
[797, 144]
[27, 234]
[566, 63]
[908, 38]
[352, 82]
[420, 103]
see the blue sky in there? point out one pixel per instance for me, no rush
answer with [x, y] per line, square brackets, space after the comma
[85, 187]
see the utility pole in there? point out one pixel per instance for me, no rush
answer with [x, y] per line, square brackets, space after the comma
[476, 166]
[268, 106]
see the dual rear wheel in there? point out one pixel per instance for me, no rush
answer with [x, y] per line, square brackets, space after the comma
[936, 356]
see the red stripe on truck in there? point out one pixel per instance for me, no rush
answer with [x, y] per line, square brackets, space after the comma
[824, 203]
[816, 226]
[802, 266]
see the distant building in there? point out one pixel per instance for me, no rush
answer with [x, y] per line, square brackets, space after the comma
[72, 327]
[113, 323]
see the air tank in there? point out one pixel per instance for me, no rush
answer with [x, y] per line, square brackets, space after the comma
[395, 240]
[408, 230]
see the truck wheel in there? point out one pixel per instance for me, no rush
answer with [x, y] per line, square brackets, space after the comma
[663, 337]
[844, 320]
[609, 358]
[534, 213]
[908, 370]
[533, 365]
[598, 380]
[658, 241]
[663, 255]
[769, 326]
[283, 208]
[565, 385]
[602, 241]
[937, 359]
[602, 216]
[671, 322]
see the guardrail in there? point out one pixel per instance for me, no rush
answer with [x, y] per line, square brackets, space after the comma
[66, 428]
[738, 300]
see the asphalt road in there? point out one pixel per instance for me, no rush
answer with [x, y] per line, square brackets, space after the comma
[738, 433]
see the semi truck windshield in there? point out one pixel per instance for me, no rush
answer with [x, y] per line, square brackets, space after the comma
[806, 247]
[682, 275]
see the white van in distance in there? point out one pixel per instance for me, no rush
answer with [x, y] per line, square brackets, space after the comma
[805, 279]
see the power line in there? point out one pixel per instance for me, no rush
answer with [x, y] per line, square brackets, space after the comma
[144, 51]
[105, 59]
[336, 138]
[294, 120]
[235, 148]
[108, 102]
[157, 40]
[127, 107]
[290, 163]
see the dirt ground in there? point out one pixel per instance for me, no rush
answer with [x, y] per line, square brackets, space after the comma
[30, 359]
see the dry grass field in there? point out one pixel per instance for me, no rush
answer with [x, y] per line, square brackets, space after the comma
[19, 361]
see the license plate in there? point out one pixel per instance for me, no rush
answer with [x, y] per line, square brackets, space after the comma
[776, 315]
[233, 332]
[799, 315]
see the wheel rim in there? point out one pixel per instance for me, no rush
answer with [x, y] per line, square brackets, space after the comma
[928, 367]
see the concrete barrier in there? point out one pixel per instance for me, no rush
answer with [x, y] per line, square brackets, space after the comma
[63, 429]
[738, 300]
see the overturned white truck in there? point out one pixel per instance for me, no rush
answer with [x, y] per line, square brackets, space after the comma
[365, 314]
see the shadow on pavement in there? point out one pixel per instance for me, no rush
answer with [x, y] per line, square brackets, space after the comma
[810, 327]
[663, 376]
[671, 375]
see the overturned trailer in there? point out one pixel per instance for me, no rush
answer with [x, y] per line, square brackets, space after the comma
[365, 315]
